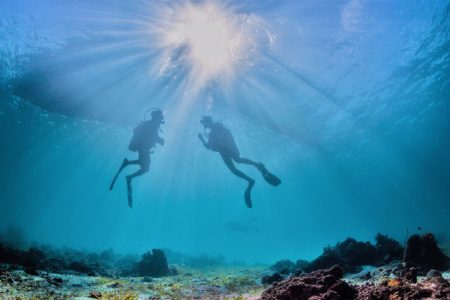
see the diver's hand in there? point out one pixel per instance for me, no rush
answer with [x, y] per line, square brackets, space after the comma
[201, 137]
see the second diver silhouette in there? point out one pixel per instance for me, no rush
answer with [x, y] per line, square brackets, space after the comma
[221, 140]
[144, 140]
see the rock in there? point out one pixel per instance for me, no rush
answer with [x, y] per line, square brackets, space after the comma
[115, 285]
[269, 279]
[410, 275]
[433, 273]
[327, 285]
[147, 279]
[428, 289]
[387, 271]
[56, 281]
[318, 285]
[95, 295]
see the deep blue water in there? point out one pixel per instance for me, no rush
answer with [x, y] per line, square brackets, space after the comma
[346, 101]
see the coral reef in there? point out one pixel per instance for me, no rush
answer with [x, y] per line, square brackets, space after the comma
[320, 284]
[152, 264]
[424, 253]
[284, 266]
[351, 254]
[403, 288]
[64, 261]
[327, 284]
[387, 248]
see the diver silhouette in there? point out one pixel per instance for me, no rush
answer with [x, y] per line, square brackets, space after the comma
[221, 140]
[144, 140]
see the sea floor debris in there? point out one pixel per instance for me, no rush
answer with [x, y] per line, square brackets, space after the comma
[221, 283]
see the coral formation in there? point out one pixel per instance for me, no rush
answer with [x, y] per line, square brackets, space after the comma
[423, 252]
[284, 266]
[320, 284]
[387, 248]
[401, 288]
[351, 254]
[92, 264]
[152, 264]
[327, 284]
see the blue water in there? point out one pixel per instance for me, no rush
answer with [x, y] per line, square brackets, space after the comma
[346, 101]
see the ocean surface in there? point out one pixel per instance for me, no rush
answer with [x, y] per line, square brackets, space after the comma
[347, 101]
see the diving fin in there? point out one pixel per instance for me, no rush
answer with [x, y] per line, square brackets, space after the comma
[247, 195]
[130, 193]
[124, 164]
[268, 177]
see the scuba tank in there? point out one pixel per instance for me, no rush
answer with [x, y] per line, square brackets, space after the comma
[144, 134]
[137, 137]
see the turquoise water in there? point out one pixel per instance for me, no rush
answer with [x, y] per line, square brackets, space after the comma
[346, 101]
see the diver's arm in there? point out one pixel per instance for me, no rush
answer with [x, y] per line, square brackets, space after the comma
[202, 138]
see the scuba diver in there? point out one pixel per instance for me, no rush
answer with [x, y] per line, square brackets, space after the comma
[221, 140]
[144, 140]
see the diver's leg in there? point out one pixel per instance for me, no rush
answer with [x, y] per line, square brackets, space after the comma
[242, 160]
[229, 163]
[144, 162]
[132, 162]
[251, 182]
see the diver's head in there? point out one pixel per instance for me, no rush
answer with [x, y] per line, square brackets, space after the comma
[158, 116]
[206, 121]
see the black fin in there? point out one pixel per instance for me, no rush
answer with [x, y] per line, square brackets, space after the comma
[269, 177]
[130, 193]
[124, 164]
[247, 195]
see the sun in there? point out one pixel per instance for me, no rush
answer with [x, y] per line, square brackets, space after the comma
[208, 40]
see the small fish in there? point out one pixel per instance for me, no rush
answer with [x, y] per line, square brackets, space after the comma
[419, 228]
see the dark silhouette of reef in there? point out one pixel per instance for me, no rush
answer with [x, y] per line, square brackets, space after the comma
[152, 264]
[351, 255]
[424, 253]
[67, 261]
